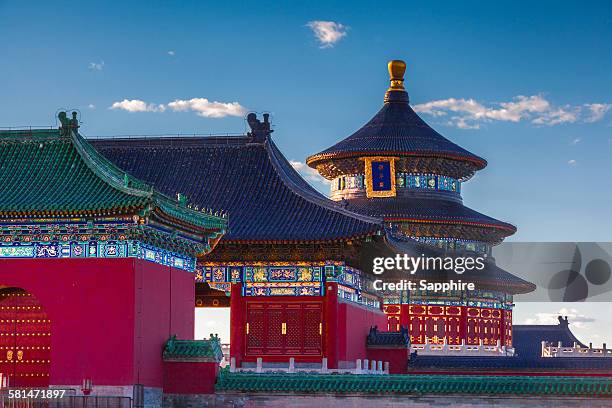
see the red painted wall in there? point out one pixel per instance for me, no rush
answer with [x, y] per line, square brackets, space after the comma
[345, 326]
[190, 377]
[354, 324]
[109, 317]
[471, 323]
[164, 306]
[397, 358]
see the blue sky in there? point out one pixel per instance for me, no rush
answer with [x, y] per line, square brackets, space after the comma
[469, 63]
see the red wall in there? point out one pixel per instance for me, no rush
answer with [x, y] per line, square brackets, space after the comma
[109, 317]
[354, 324]
[190, 377]
[397, 358]
[459, 323]
[164, 305]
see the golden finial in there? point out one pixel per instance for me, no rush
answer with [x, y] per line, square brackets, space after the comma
[397, 68]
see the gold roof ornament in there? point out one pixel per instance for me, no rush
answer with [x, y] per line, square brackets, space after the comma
[396, 91]
[397, 68]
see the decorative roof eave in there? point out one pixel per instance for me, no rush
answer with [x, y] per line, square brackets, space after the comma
[492, 277]
[169, 241]
[186, 216]
[514, 288]
[33, 215]
[213, 230]
[375, 232]
[318, 159]
[511, 229]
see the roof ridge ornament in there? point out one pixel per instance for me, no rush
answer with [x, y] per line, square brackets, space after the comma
[260, 131]
[396, 91]
[67, 124]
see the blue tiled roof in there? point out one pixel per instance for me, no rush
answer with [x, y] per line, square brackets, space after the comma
[448, 211]
[527, 342]
[527, 339]
[377, 338]
[510, 363]
[397, 130]
[267, 200]
[491, 277]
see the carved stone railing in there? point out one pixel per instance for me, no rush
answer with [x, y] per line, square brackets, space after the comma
[361, 367]
[444, 349]
[550, 350]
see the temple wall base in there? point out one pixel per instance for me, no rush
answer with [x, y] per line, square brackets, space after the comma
[379, 401]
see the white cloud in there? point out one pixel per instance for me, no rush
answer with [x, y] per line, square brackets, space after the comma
[308, 173]
[558, 116]
[203, 107]
[576, 140]
[171, 53]
[572, 162]
[96, 66]
[597, 111]
[469, 113]
[574, 317]
[136, 105]
[91, 106]
[328, 33]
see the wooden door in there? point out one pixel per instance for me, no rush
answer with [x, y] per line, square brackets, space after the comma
[25, 339]
[284, 329]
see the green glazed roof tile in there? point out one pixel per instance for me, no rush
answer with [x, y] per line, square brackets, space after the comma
[193, 349]
[57, 173]
[416, 384]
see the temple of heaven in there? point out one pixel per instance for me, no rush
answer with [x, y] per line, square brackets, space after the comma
[397, 168]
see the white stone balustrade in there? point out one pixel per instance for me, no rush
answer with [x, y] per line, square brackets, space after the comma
[444, 349]
[550, 350]
[361, 367]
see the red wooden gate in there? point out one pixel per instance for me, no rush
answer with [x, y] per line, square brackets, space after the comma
[284, 329]
[25, 339]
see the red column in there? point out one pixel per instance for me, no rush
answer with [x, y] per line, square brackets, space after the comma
[405, 315]
[502, 328]
[331, 324]
[463, 325]
[237, 323]
[509, 323]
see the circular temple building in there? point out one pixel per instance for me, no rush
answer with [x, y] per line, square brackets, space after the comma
[397, 168]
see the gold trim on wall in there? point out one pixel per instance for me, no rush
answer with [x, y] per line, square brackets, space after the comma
[370, 193]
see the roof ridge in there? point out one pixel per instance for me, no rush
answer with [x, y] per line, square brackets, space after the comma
[100, 164]
[564, 327]
[32, 135]
[285, 171]
[106, 170]
[181, 141]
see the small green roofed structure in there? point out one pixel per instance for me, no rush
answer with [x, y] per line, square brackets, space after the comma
[55, 174]
[201, 350]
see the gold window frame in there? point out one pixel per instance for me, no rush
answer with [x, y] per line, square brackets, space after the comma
[370, 193]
